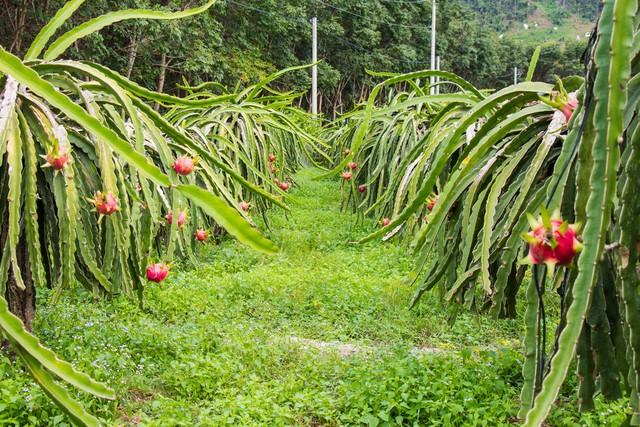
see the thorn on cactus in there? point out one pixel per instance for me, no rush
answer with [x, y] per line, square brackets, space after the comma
[184, 165]
[105, 204]
[157, 272]
[546, 218]
[201, 235]
[551, 241]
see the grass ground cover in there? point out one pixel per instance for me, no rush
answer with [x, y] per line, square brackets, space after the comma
[247, 339]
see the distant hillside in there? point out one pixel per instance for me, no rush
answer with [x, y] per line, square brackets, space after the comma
[537, 20]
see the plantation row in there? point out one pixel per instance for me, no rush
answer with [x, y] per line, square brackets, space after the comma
[99, 188]
[529, 190]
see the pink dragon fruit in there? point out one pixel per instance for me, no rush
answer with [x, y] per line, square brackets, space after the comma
[57, 161]
[552, 241]
[201, 235]
[157, 272]
[105, 204]
[184, 165]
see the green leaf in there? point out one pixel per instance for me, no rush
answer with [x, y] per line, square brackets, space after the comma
[63, 14]
[228, 218]
[11, 65]
[30, 202]
[532, 65]
[57, 393]
[14, 331]
[161, 98]
[58, 47]
[14, 163]
[180, 137]
[454, 142]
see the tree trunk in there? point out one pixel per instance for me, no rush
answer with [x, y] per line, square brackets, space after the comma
[133, 54]
[163, 75]
[22, 302]
[20, 22]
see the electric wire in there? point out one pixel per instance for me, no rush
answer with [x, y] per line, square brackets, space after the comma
[335, 36]
[407, 1]
[422, 27]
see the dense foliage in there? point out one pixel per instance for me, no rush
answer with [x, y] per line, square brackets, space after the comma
[246, 40]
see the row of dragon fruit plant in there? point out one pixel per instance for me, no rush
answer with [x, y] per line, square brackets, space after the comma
[98, 188]
[529, 193]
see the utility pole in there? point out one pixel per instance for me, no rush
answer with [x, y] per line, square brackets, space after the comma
[515, 75]
[314, 69]
[433, 45]
[438, 77]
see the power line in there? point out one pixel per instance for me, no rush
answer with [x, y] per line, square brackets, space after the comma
[405, 1]
[422, 27]
[335, 36]
[267, 12]
[362, 49]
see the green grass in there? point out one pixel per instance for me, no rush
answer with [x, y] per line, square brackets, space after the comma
[224, 342]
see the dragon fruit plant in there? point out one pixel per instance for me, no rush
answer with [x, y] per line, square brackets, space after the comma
[100, 141]
[492, 158]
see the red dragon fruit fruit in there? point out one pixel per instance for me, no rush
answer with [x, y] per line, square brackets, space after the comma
[551, 241]
[182, 218]
[245, 206]
[106, 204]
[431, 202]
[568, 108]
[562, 101]
[201, 235]
[157, 272]
[362, 188]
[347, 176]
[57, 161]
[184, 165]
